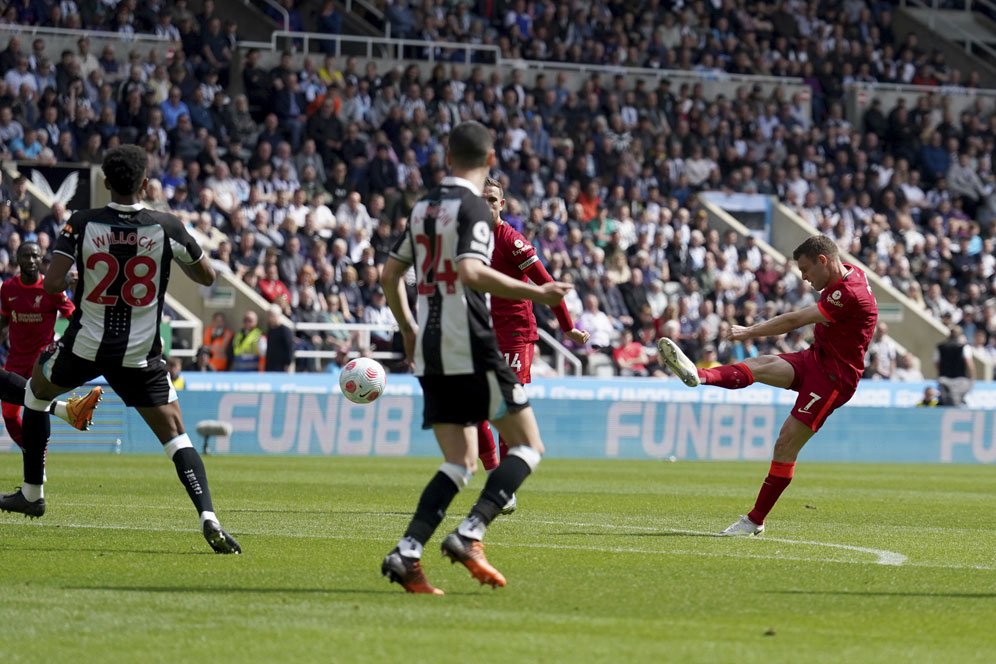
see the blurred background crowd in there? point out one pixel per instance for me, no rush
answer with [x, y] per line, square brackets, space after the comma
[300, 184]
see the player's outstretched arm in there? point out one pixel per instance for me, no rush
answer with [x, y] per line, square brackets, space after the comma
[780, 324]
[393, 283]
[475, 274]
[57, 276]
[201, 271]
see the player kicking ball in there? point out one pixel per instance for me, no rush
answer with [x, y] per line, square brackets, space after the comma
[449, 241]
[27, 318]
[124, 253]
[514, 321]
[825, 375]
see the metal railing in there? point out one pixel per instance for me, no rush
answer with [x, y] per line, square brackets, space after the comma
[43, 31]
[369, 8]
[373, 47]
[275, 5]
[938, 21]
[564, 355]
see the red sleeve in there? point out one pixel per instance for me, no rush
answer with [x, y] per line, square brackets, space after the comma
[66, 306]
[538, 275]
[824, 311]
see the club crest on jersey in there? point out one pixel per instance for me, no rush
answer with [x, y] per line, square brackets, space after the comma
[38, 299]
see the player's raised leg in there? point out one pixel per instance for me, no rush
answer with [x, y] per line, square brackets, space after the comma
[403, 564]
[166, 422]
[791, 439]
[767, 369]
[464, 544]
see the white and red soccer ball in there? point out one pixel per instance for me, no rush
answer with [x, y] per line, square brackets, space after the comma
[362, 380]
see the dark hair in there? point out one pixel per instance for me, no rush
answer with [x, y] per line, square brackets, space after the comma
[469, 145]
[25, 245]
[814, 246]
[492, 182]
[124, 167]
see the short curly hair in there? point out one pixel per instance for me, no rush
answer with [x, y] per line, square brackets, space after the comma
[125, 167]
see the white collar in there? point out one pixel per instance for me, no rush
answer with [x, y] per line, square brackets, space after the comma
[454, 181]
[126, 208]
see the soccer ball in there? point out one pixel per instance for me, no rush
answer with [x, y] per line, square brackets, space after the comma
[362, 380]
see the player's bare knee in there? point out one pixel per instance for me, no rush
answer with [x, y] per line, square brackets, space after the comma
[459, 473]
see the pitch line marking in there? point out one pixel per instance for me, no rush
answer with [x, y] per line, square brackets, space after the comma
[883, 556]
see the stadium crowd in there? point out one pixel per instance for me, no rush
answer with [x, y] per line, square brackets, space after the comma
[300, 185]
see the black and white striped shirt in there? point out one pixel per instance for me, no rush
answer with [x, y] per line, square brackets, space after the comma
[123, 253]
[451, 223]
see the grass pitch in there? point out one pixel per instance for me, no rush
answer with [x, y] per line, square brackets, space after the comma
[604, 559]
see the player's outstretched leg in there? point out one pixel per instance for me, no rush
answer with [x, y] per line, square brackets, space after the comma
[167, 423]
[675, 359]
[403, 564]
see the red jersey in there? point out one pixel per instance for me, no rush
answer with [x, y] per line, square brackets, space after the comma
[513, 320]
[852, 313]
[31, 313]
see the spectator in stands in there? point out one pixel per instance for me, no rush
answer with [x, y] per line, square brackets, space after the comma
[202, 360]
[247, 349]
[630, 356]
[955, 368]
[882, 357]
[279, 342]
[217, 339]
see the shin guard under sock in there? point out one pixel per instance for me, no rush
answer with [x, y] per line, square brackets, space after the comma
[732, 377]
[435, 500]
[778, 479]
[190, 470]
[486, 446]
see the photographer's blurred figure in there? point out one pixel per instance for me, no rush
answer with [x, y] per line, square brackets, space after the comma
[175, 366]
[955, 370]
[202, 361]
[931, 398]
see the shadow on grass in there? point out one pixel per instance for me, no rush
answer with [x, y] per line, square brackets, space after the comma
[329, 512]
[251, 591]
[663, 533]
[101, 550]
[873, 593]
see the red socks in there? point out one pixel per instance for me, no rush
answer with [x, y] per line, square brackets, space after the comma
[778, 479]
[12, 420]
[732, 376]
[486, 446]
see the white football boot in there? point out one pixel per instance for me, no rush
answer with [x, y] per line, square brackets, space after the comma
[510, 505]
[743, 527]
[671, 355]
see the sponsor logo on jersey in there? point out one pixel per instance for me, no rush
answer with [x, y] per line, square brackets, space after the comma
[26, 318]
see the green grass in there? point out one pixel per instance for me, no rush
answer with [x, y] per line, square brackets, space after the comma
[600, 567]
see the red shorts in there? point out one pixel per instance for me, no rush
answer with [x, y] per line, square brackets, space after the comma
[519, 356]
[18, 367]
[820, 393]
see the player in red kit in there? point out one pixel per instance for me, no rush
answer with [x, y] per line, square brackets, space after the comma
[513, 320]
[27, 317]
[825, 375]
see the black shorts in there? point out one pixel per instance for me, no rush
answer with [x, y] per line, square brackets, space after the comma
[138, 387]
[471, 398]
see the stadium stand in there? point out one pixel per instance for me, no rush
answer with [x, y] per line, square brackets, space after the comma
[299, 176]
